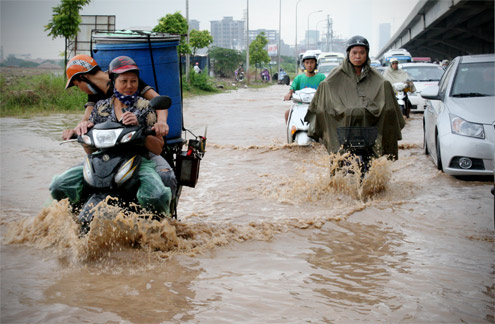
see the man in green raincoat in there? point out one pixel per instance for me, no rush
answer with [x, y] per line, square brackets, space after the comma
[355, 95]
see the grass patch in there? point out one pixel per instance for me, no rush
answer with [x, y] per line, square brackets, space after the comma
[44, 94]
[38, 94]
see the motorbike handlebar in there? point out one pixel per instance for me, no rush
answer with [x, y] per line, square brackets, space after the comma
[148, 131]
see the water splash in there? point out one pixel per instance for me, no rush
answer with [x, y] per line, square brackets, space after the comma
[115, 233]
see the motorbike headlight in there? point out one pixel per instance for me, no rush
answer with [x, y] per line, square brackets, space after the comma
[127, 137]
[125, 172]
[88, 175]
[460, 126]
[106, 137]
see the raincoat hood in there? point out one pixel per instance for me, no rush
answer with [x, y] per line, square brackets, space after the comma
[346, 99]
[395, 76]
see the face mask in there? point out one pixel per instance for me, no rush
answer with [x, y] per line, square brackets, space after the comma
[126, 100]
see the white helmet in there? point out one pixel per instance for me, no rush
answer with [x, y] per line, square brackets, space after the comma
[394, 60]
[308, 56]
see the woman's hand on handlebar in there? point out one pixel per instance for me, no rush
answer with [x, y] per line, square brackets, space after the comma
[82, 127]
[161, 128]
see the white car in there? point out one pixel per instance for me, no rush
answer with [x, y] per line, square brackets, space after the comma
[423, 75]
[326, 68]
[459, 121]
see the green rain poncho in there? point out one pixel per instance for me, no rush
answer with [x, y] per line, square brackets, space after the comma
[345, 99]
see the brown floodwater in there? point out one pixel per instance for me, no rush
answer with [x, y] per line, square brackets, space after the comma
[267, 236]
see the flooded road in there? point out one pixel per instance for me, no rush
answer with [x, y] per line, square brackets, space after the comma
[265, 237]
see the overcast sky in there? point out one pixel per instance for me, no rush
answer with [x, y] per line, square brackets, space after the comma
[23, 21]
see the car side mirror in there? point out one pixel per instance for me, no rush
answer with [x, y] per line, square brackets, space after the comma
[431, 93]
[160, 102]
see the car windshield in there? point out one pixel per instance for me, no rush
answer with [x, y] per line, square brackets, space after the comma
[424, 73]
[326, 68]
[474, 80]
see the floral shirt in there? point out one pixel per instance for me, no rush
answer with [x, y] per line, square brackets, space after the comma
[104, 111]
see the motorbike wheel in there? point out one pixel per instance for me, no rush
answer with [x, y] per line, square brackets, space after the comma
[275, 76]
[286, 80]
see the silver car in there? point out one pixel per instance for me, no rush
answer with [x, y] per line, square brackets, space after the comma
[459, 120]
[423, 75]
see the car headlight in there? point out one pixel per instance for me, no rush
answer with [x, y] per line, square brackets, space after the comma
[460, 126]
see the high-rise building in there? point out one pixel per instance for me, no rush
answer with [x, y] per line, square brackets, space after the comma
[229, 33]
[312, 38]
[383, 35]
[193, 24]
[270, 34]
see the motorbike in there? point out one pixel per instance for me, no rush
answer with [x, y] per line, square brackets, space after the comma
[359, 141]
[113, 170]
[239, 75]
[297, 128]
[401, 89]
[282, 77]
[265, 75]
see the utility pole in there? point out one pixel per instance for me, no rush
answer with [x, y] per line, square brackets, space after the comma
[297, 54]
[328, 31]
[247, 41]
[188, 58]
[279, 32]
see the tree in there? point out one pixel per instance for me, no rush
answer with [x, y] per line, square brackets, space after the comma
[257, 53]
[174, 24]
[225, 60]
[199, 39]
[65, 21]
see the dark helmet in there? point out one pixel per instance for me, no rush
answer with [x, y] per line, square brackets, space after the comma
[357, 41]
[122, 64]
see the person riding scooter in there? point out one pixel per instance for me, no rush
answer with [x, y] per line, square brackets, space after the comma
[355, 95]
[396, 75]
[85, 73]
[309, 79]
[127, 107]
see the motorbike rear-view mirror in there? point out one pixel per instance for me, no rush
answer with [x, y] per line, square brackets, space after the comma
[161, 102]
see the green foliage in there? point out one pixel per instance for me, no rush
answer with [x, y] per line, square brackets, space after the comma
[201, 81]
[66, 19]
[288, 63]
[38, 93]
[257, 53]
[199, 39]
[174, 24]
[225, 60]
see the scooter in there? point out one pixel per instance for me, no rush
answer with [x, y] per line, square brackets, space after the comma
[265, 75]
[239, 75]
[297, 128]
[113, 170]
[282, 77]
[401, 89]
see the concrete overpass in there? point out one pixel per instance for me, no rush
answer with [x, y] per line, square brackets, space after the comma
[444, 29]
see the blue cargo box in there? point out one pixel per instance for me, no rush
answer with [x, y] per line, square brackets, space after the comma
[157, 58]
